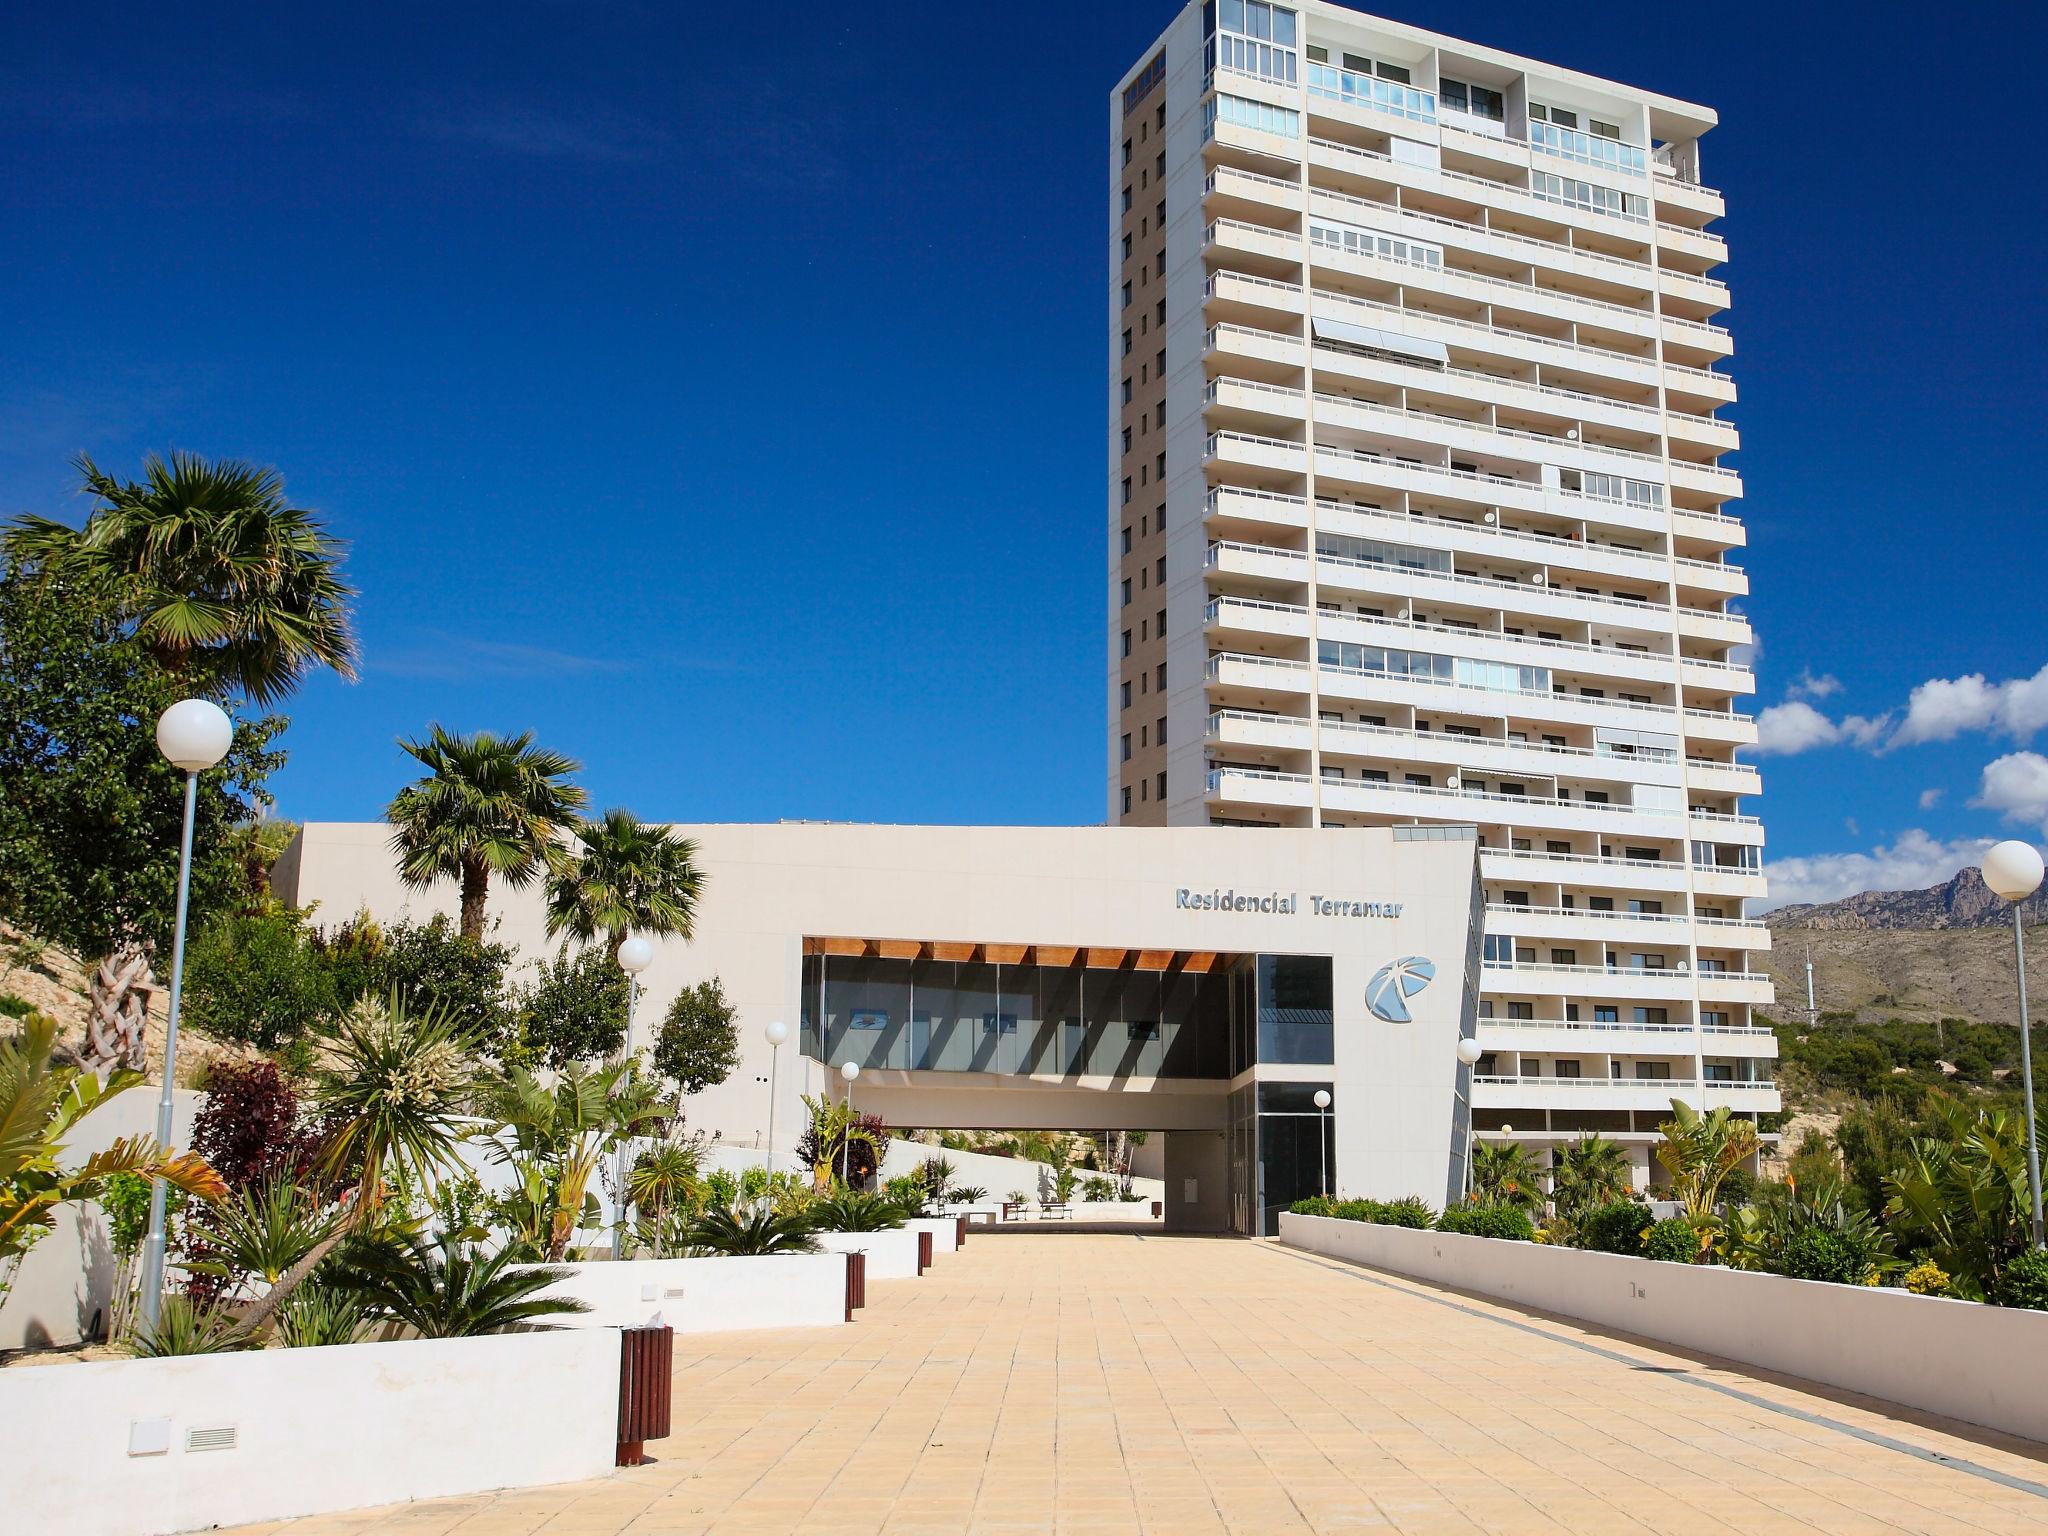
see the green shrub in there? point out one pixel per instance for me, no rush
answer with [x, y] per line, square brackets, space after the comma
[2025, 1281]
[1314, 1205]
[1928, 1278]
[1616, 1227]
[1097, 1189]
[1409, 1211]
[1356, 1210]
[1673, 1240]
[1508, 1222]
[1819, 1253]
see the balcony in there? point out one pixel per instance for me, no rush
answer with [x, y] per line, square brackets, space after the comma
[1427, 802]
[1529, 866]
[1273, 508]
[1258, 674]
[1253, 451]
[1230, 558]
[1252, 728]
[1495, 755]
[1225, 617]
[1259, 786]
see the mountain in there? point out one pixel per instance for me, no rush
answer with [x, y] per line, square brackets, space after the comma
[1963, 902]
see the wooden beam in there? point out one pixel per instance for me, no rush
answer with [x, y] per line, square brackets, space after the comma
[1005, 954]
[1154, 959]
[899, 949]
[842, 946]
[1199, 963]
[1056, 954]
[947, 951]
[1106, 959]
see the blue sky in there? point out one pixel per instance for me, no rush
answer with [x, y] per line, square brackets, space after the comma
[716, 391]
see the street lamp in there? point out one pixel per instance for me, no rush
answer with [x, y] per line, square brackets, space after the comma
[848, 1073]
[2013, 871]
[635, 955]
[193, 734]
[1469, 1052]
[1323, 1141]
[777, 1032]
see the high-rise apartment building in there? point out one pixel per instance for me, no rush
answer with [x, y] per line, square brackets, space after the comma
[1418, 515]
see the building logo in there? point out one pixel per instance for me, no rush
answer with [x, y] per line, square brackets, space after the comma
[1393, 984]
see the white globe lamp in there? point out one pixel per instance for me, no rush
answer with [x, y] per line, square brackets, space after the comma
[1470, 1050]
[776, 1033]
[635, 955]
[2013, 871]
[1323, 1141]
[847, 1073]
[194, 734]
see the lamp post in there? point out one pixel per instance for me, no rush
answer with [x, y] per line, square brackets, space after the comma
[1469, 1052]
[635, 955]
[1323, 1140]
[193, 734]
[2013, 871]
[848, 1073]
[776, 1033]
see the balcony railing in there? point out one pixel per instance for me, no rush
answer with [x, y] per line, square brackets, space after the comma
[1653, 972]
[1362, 90]
[1342, 728]
[1437, 419]
[1588, 148]
[1518, 909]
[1550, 248]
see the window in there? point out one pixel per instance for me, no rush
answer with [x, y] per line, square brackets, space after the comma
[1720, 1072]
[1713, 1018]
[1161, 684]
[1521, 1010]
[1652, 1016]
[1127, 391]
[1127, 199]
[1603, 130]
[1159, 571]
[1256, 38]
[1603, 1013]
[1332, 772]
[1355, 84]
[1357, 241]
[1127, 749]
[1653, 1071]
[1584, 194]
[1159, 786]
[1127, 799]
[1564, 957]
[1127, 143]
[1126, 695]
[1558, 115]
[1159, 625]
[1127, 642]
[1127, 353]
[1475, 99]
[1567, 1069]
[1127, 592]
[1295, 1008]
[1244, 113]
[1159, 731]
[1127, 247]
[1127, 540]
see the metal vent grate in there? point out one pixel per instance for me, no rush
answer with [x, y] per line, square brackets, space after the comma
[220, 1437]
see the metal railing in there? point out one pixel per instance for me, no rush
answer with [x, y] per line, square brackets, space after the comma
[1551, 248]
[1517, 909]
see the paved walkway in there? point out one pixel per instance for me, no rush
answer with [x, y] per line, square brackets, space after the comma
[1079, 1382]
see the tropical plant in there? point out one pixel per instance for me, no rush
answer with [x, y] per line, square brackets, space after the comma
[750, 1230]
[624, 876]
[1499, 1219]
[391, 1084]
[1591, 1171]
[840, 1144]
[488, 806]
[666, 1180]
[446, 1288]
[1675, 1240]
[223, 582]
[1018, 1197]
[853, 1210]
[1959, 1194]
[1811, 1231]
[260, 1233]
[1698, 1150]
[248, 1125]
[187, 1327]
[1097, 1190]
[906, 1193]
[970, 1194]
[321, 1315]
[424, 965]
[39, 1105]
[698, 1045]
[575, 1010]
[2024, 1282]
[1504, 1173]
[566, 1126]
[937, 1174]
[125, 1201]
[1064, 1178]
[1615, 1227]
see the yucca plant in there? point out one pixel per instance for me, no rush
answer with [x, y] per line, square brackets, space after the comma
[260, 1234]
[184, 1327]
[450, 1289]
[854, 1210]
[759, 1229]
[321, 1315]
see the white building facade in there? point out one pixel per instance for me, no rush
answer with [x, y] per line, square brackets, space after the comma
[1200, 984]
[1417, 515]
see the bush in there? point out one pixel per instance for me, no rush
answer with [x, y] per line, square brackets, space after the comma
[1097, 1189]
[1508, 1222]
[574, 1011]
[255, 978]
[699, 1043]
[2025, 1281]
[1819, 1253]
[1672, 1240]
[1409, 1211]
[248, 1125]
[1314, 1205]
[1616, 1227]
[1928, 1278]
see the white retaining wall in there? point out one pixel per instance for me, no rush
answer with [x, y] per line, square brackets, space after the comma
[1980, 1364]
[315, 1430]
[891, 1255]
[945, 1231]
[715, 1295]
[997, 1174]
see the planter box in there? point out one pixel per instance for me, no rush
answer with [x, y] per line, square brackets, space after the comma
[284, 1432]
[945, 1231]
[717, 1295]
[1956, 1358]
[891, 1255]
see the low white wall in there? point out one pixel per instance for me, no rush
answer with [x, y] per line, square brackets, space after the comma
[315, 1430]
[1095, 1210]
[995, 1173]
[66, 1283]
[1957, 1358]
[715, 1295]
[945, 1231]
[891, 1255]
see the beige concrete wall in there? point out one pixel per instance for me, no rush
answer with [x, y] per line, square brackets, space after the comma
[1980, 1364]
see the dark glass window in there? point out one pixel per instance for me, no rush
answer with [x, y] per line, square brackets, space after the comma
[1291, 1161]
[1295, 1007]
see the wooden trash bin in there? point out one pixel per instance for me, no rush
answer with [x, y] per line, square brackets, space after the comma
[646, 1360]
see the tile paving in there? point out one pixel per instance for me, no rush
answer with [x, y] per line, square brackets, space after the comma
[1081, 1382]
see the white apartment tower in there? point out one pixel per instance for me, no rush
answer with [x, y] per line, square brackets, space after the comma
[1417, 515]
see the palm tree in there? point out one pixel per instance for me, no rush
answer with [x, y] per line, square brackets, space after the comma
[222, 579]
[758, 1229]
[1698, 1150]
[488, 805]
[567, 1125]
[666, 1177]
[1504, 1173]
[1588, 1172]
[39, 1104]
[629, 876]
[448, 1289]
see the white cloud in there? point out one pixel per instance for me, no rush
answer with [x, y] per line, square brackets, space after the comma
[1913, 862]
[2016, 786]
[1796, 726]
[1930, 798]
[1942, 708]
[1807, 686]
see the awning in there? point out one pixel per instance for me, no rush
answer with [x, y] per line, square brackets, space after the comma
[1374, 339]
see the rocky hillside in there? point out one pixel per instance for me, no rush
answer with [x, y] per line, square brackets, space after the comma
[1964, 902]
